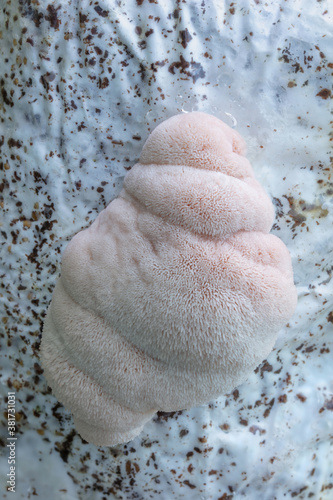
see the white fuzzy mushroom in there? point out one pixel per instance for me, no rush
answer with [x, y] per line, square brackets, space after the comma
[175, 293]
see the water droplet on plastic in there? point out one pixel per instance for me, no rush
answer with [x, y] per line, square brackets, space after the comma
[232, 118]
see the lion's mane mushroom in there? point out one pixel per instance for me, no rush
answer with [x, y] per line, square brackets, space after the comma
[175, 293]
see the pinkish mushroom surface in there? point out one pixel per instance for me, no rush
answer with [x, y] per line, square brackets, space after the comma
[175, 293]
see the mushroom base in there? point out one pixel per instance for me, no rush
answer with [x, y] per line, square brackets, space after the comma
[104, 437]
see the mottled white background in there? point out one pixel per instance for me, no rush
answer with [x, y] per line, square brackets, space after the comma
[82, 85]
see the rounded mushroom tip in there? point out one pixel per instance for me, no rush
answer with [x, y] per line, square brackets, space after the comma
[192, 139]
